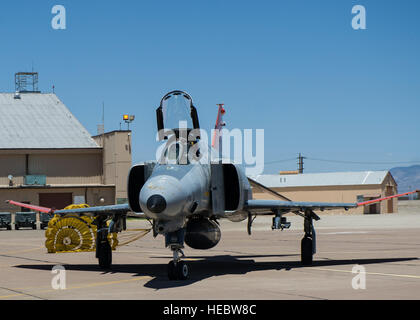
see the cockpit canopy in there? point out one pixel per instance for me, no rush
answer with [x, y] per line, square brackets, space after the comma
[176, 111]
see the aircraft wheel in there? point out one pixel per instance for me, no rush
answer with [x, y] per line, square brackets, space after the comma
[306, 251]
[180, 271]
[105, 255]
[171, 271]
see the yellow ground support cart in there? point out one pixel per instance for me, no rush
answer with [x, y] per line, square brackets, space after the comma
[76, 233]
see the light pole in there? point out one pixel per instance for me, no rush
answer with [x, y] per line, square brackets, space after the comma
[128, 118]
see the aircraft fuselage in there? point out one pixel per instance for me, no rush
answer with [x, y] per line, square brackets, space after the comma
[174, 192]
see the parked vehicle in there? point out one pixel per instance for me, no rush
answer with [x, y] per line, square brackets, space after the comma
[6, 220]
[25, 220]
[44, 219]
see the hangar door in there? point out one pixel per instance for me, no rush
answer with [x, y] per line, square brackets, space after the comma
[55, 200]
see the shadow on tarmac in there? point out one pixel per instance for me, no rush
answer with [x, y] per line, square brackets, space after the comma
[207, 267]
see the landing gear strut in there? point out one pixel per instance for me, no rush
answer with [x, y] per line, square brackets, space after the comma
[250, 221]
[177, 269]
[103, 248]
[308, 243]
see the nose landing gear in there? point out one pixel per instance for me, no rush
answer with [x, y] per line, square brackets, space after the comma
[177, 269]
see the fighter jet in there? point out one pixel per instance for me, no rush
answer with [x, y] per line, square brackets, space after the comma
[184, 197]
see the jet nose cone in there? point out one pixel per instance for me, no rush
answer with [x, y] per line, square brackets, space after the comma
[156, 203]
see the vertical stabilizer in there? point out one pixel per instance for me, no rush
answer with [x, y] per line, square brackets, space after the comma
[217, 135]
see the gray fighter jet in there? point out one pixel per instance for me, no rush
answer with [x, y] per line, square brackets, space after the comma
[184, 197]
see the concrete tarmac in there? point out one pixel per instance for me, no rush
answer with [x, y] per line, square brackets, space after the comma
[265, 265]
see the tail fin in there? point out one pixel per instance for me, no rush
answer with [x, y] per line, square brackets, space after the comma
[217, 136]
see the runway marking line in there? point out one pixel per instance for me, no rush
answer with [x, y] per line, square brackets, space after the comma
[21, 251]
[372, 273]
[88, 285]
[344, 232]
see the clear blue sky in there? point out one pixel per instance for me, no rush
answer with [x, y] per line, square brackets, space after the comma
[294, 68]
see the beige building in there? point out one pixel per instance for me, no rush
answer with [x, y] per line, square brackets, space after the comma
[346, 187]
[116, 161]
[48, 158]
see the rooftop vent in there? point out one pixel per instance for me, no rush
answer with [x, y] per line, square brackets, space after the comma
[17, 95]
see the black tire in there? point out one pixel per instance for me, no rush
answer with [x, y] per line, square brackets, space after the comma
[306, 251]
[105, 255]
[34, 226]
[182, 270]
[171, 271]
[9, 227]
[16, 227]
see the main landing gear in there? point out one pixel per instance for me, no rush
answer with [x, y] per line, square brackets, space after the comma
[103, 248]
[308, 243]
[177, 269]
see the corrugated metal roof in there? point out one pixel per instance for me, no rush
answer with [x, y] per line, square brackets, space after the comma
[322, 179]
[39, 121]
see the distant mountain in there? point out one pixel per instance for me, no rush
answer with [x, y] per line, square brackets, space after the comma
[407, 178]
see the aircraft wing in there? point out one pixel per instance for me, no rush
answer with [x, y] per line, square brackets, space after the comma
[386, 198]
[262, 188]
[29, 206]
[94, 211]
[265, 206]
[270, 206]
[111, 209]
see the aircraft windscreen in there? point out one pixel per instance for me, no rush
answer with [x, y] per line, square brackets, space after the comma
[176, 108]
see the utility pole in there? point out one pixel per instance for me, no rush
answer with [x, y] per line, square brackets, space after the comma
[300, 163]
